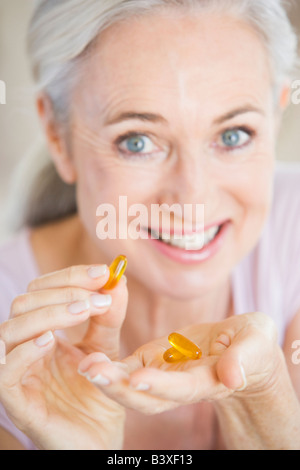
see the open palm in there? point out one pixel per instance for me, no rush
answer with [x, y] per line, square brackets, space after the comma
[239, 346]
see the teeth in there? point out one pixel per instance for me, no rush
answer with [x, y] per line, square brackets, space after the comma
[188, 242]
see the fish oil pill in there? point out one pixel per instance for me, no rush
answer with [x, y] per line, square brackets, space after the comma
[172, 355]
[116, 270]
[185, 346]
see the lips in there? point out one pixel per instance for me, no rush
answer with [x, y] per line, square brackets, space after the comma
[188, 250]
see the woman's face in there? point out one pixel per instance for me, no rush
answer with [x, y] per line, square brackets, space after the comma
[177, 110]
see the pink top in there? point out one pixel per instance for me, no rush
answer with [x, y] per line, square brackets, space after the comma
[267, 280]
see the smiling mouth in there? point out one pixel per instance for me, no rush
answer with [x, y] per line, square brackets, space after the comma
[194, 242]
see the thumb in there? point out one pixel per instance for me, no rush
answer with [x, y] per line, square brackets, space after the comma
[245, 360]
[103, 332]
[231, 371]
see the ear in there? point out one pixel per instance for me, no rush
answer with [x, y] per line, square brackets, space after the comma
[57, 142]
[283, 102]
[285, 96]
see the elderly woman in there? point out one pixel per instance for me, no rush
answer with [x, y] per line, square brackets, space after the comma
[161, 102]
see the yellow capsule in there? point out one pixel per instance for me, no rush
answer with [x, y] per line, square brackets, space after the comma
[185, 346]
[116, 270]
[172, 355]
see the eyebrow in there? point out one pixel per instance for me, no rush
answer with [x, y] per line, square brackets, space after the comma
[146, 117]
[150, 117]
[237, 112]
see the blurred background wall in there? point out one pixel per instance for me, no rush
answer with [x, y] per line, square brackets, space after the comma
[19, 126]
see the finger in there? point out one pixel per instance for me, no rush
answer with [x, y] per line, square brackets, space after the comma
[88, 361]
[133, 362]
[104, 331]
[129, 364]
[88, 277]
[113, 380]
[116, 315]
[18, 361]
[51, 317]
[38, 299]
[185, 387]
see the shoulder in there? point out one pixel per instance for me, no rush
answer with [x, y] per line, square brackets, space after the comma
[286, 200]
[284, 220]
[268, 279]
[17, 269]
[281, 241]
[286, 170]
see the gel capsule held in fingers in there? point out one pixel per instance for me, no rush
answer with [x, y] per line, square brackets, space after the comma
[183, 346]
[116, 271]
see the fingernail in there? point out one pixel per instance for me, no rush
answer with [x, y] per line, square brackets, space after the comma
[81, 373]
[78, 307]
[243, 378]
[99, 300]
[98, 379]
[141, 387]
[44, 339]
[97, 271]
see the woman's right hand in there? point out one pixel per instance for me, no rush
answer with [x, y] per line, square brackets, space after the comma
[40, 388]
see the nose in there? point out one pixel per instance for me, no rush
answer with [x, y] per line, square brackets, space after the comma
[191, 181]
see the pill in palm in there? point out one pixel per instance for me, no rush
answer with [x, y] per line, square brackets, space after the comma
[116, 271]
[183, 346]
[172, 355]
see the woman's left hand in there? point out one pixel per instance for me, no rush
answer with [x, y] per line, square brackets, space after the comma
[239, 355]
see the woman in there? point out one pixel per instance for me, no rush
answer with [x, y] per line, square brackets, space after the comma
[174, 102]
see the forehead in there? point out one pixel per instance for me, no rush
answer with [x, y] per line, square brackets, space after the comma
[178, 59]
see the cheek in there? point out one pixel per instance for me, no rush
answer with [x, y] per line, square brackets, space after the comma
[252, 179]
[254, 190]
[252, 193]
[105, 180]
[102, 182]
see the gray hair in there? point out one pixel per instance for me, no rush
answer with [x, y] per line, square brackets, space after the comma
[61, 36]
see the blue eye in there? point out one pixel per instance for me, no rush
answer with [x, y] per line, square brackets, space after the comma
[137, 145]
[235, 138]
